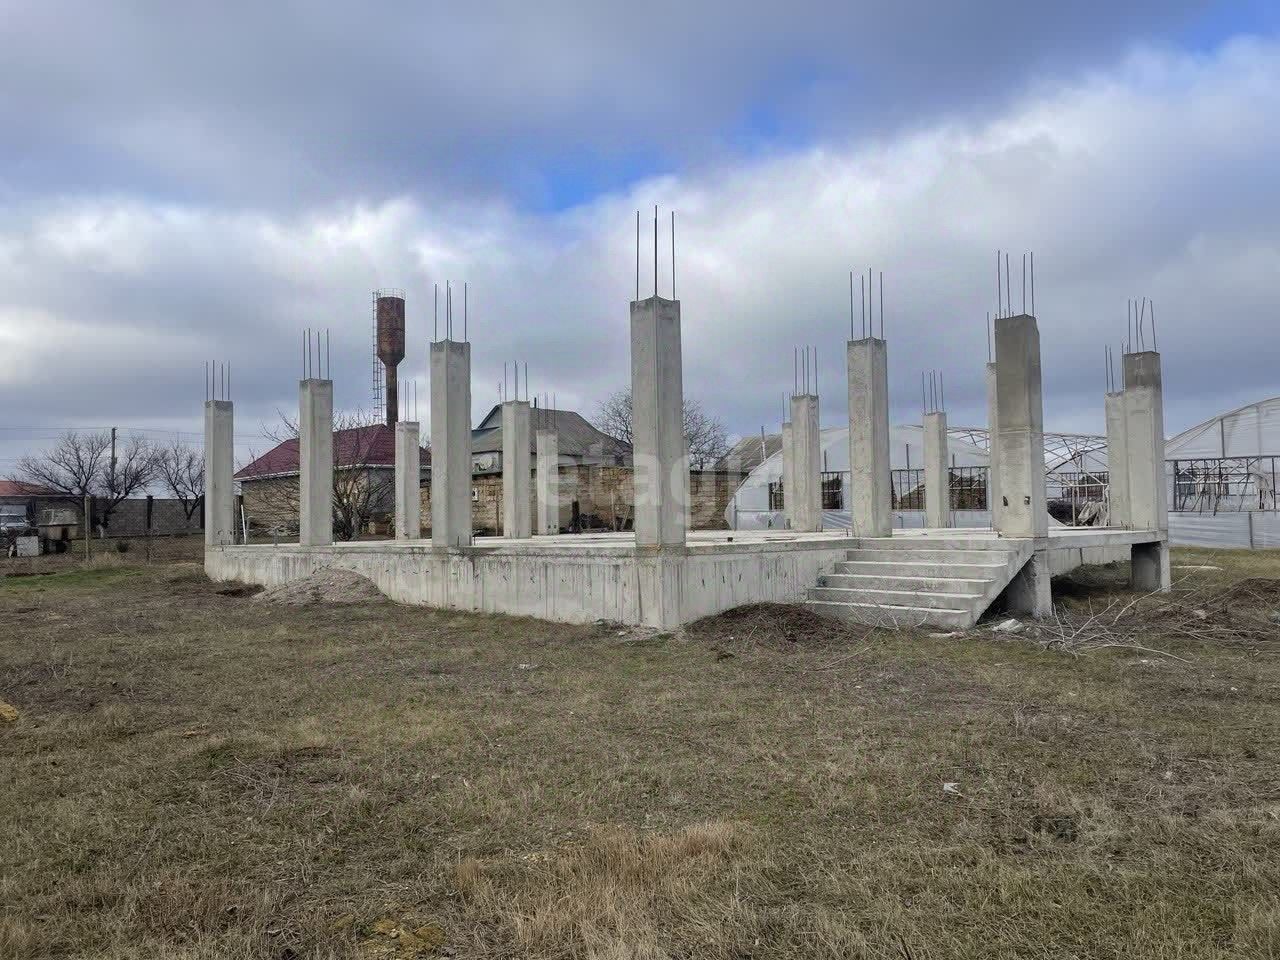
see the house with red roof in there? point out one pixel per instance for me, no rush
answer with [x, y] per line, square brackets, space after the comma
[364, 461]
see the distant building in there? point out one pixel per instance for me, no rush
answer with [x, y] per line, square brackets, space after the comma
[580, 444]
[363, 457]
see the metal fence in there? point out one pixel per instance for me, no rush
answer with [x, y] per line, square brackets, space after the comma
[1224, 484]
[1076, 497]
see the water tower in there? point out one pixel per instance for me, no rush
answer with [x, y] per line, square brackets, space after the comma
[388, 312]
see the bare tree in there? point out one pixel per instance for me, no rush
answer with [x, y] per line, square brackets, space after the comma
[361, 489]
[180, 467]
[706, 434]
[81, 464]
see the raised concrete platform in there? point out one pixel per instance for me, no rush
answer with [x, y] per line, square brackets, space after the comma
[588, 577]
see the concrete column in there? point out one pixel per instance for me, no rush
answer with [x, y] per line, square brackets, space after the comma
[516, 521]
[870, 495]
[937, 472]
[450, 444]
[548, 473]
[408, 481]
[993, 448]
[315, 463]
[1030, 592]
[1148, 496]
[788, 477]
[1144, 428]
[659, 453]
[1117, 462]
[219, 494]
[806, 442]
[1020, 422]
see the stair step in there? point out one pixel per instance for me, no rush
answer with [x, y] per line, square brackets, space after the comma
[923, 555]
[892, 614]
[870, 581]
[925, 568]
[904, 598]
[992, 544]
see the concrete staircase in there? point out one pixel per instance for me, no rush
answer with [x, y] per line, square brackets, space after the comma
[919, 581]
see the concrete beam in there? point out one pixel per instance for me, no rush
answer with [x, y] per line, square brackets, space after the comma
[315, 463]
[806, 442]
[1144, 429]
[517, 524]
[450, 444]
[993, 448]
[870, 495]
[1020, 422]
[937, 472]
[408, 481]
[219, 491]
[659, 452]
[1118, 511]
[548, 474]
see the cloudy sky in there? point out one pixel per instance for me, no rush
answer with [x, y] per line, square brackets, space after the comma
[183, 182]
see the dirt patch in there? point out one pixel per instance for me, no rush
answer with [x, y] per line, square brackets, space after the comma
[775, 624]
[324, 586]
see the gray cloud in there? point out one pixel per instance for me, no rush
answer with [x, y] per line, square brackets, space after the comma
[1151, 179]
[276, 106]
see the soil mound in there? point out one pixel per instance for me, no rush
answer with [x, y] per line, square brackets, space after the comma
[324, 586]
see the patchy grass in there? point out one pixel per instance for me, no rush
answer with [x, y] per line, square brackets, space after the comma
[193, 775]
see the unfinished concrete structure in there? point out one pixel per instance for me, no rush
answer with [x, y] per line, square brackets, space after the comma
[788, 474]
[870, 495]
[517, 524]
[315, 463]
[219, 453]
[1118, 514]
[659, 452]
[993, 449]
[937, 472]
[662, 576]
[1144, 439]
[806, 470]
[450, 444]
[547, 471]
[408, 505]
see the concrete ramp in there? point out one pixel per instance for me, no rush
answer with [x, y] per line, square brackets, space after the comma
[936, 581]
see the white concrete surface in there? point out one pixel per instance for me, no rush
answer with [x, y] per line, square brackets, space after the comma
[219, 457]
[1022, 511]
[1144, 427]
[1119, 514]
[993, 431]
[450, 444]
[660, 455]
[548, 483]
[806, 444]
[516, 478]
[870, 497]
[408, 481]
[315, 462]
[582, 578]
[937, 472]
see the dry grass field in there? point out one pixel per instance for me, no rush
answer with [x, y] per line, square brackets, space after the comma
[189, 773]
